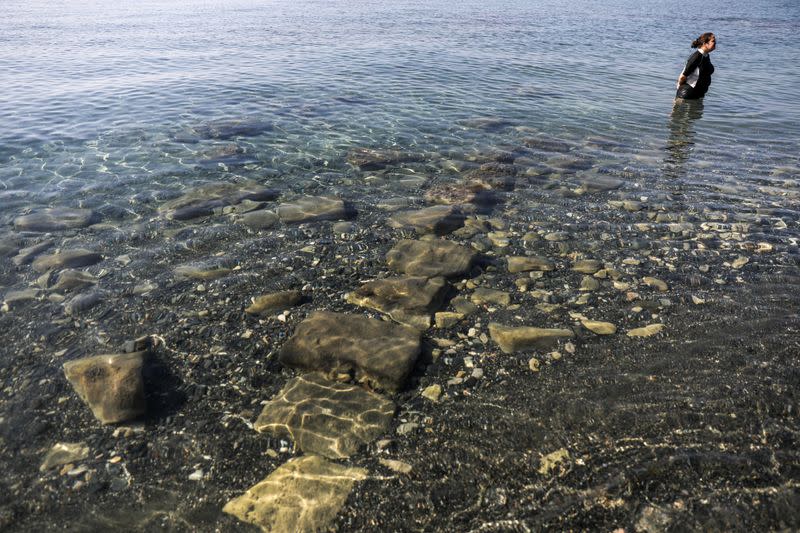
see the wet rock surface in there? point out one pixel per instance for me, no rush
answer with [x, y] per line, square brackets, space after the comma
[372, 350]
[408, 300]
[111, 385]
[326, 418]
[312, 208]
[305, 494]
[66, 259]
[208, 199]
[56, 219]
[670, 403]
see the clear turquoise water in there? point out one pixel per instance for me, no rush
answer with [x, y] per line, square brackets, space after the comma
[108, 99]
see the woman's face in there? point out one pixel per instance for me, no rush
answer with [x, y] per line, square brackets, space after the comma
[710, 45]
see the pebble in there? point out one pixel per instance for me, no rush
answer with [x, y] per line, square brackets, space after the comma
[432, 393]
[197, 475]
[396, 466]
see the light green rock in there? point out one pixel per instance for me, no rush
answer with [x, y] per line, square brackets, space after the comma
[514, 339]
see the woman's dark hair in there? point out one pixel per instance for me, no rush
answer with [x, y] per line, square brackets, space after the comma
[703, 39]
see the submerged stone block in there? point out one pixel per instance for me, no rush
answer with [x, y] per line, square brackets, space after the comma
[203, 201]
[439, 219]
[312, 208]
[372, 350]
[66, 259]
[111, 385]
[430, 258]
[56, 219]
[325, 417]
[305, 494]
[512, 339]
[409, 300]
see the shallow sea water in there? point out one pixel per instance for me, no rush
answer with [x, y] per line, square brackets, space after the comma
[120, 109]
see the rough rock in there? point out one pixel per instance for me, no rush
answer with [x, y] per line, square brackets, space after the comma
[305, 494]
[511, 339]
[312, 208]
[63, 453]
[261, 219]
[325, 417]
[69, 280]
[655, 283]
[409, 300]
[446, 319]
[28, 254]
[111, 385]
[203, 201]
[587, 266]
[646, 331]
[484, 296]
[274, 301]
[599, 328]
[396, 466]
[76, 258]
[201, 272]
[527, 264]
[439, 219]
[379, 352]
[83, 302]
[56, 219]
[430, 258]
[432, 392]
[14, 299]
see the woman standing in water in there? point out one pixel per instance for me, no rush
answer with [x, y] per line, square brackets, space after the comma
[696, 76]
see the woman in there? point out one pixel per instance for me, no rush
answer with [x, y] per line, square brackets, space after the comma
[696, 76]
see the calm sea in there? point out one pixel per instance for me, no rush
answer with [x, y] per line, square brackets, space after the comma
[109, 98]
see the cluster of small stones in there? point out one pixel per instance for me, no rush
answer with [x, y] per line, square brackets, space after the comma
[349, 365]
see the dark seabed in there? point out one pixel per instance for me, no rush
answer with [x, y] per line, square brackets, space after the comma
[398, 266]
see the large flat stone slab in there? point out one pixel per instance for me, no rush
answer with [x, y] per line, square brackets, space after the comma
[380, 353]
[409, 300]
[325, 417]
[111, 385]
[438, 219]
[305, 494]
[76, 258]
[203, 201]
[430, 258]
[312, 208]
[56, 219]
[511, 339]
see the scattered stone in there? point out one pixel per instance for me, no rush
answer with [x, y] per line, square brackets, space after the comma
[396, 466]
[655, 283]
[557, 236]
[267, 303]
[69, 280]
[63, 453]
[512, 339]
[587, 266]
[197, 475]
[484, 296]
[28, 254]
[653, 520]
[529, 263]
[14, 299]
[76, 258]
[599, 328]
[110, 384]
[432, 393]
[555, 460]
[646, 331]
[588, 283]
[430, 258]
[447, 319]
[439, 219]
[697, 300]
[261, 219]
[201, 272]
[56, 219]
[324, 417]
[305, 494]
[409, 300]
[740, 261]
[379, 352]
[406, 428]
[499, 239]
[312, 208]
[204, 201]
[534, 364]
[83, 302]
